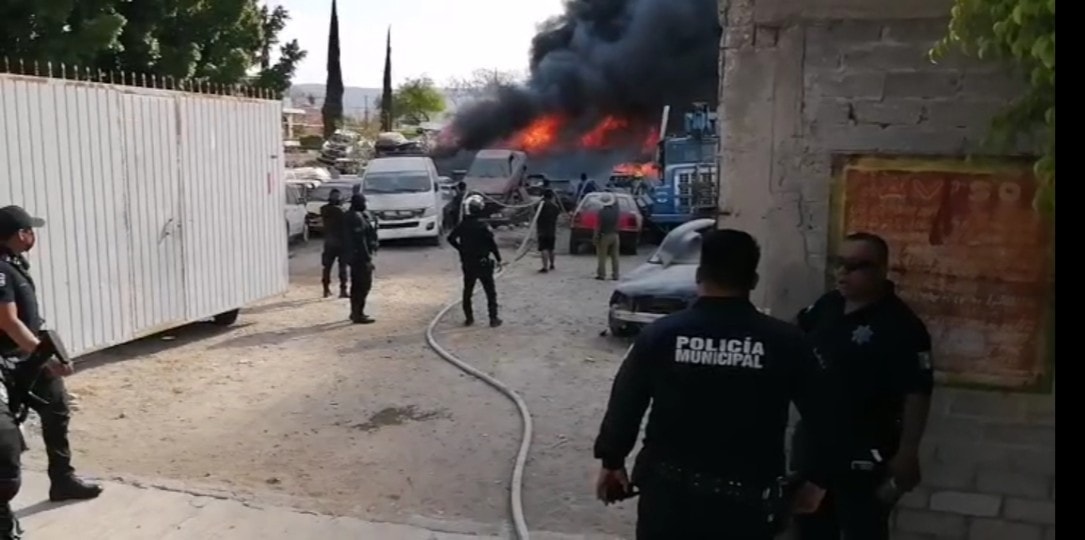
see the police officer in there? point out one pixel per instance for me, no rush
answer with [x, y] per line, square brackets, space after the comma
[878, 353]
[475, 242]
[360, 247]
[331, 216]
[720, 377]
[20, 321]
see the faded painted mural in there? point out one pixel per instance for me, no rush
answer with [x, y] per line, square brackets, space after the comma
[970, 254]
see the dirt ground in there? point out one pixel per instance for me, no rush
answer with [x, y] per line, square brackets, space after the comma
[294, 406]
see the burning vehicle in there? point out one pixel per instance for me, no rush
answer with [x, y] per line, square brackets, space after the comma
[587, 109]
[501, 176]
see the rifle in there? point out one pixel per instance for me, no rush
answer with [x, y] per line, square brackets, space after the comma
[25, 373]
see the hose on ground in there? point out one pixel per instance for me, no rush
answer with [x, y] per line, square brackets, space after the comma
[517, 481]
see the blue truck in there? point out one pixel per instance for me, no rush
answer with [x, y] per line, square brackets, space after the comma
[688, 186]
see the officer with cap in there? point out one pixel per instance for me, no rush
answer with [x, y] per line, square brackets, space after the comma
[360, 248]
[20, 321]
[720, 377]
[877, 351]
[475, 242]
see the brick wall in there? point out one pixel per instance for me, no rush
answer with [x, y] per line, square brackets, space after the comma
[832, 77]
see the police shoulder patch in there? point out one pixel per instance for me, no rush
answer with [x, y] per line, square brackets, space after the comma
[925, 362]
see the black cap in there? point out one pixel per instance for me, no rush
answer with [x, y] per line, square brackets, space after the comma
[14, 219]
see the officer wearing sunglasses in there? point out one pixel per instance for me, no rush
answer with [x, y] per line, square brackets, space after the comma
[878, 352]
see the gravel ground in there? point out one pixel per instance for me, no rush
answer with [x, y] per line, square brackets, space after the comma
[294, 406]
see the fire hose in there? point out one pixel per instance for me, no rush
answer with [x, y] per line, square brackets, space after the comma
[517, 481]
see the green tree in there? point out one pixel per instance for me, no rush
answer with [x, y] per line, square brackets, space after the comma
[332, 112]
[1020, 33]
[59, 31]
[387, 98]
[417, 99]
[223, 42]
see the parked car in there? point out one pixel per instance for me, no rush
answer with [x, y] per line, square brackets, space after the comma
[448, 187]
[319, 197]
[630, 222]
[564, 189]
[297, 227]
[665, 284]
[404, 195]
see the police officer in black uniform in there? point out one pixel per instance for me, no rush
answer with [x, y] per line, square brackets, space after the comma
[720, 377]
[331, 216]
[360, 247]
[878, 353]
[20, 321]
[475, 242]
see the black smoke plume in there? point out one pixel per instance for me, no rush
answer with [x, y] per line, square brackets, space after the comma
[619, 57]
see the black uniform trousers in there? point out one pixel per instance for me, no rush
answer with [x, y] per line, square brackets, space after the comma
[668, 511]
[361, 281]
[11, 449]
[480, 271]
[851, 510]
[331, 254]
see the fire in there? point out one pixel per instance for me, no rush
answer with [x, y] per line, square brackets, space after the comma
[554, 133]
[635, 169]
[603, 132]
[540, 135]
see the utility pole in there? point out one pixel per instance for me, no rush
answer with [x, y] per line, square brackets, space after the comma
[365, 114]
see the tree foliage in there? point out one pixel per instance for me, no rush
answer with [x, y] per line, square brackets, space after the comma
[416, 100]
[223, 42]
[1022, 34]
[482, 82]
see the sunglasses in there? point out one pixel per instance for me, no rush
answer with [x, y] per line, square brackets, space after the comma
[852, 265]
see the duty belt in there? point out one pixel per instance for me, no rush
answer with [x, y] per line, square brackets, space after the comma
[715, 485]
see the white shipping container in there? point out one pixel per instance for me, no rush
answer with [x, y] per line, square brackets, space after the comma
[161, 207]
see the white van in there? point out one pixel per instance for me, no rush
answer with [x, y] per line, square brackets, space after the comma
[404, 194]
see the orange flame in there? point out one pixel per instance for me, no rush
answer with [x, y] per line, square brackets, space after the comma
[549, 133]
[540, 135]
[635, 169]
[603, 132]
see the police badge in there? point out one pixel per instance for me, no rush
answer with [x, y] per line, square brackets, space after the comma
[925, 361]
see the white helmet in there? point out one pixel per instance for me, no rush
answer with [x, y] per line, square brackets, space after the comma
[473, 204]
[607, 199]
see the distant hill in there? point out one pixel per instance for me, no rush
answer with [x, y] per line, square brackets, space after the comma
[354, 98]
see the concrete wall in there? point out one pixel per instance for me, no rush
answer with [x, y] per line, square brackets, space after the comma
[806, 81]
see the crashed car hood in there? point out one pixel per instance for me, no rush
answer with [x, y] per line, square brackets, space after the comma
[678, 281]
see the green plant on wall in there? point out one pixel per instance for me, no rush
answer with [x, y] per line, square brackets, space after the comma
[1020, 33]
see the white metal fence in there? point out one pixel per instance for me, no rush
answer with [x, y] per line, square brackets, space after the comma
[161, 207]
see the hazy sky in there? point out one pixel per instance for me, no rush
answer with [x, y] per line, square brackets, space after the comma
[438, 38]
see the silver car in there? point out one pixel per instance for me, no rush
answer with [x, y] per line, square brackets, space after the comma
[665, 284]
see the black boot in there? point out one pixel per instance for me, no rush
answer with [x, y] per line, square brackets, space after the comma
[73, 489]
[9, 524]
[495, 322]
[469, 321]
[327, 291]
[343, 293]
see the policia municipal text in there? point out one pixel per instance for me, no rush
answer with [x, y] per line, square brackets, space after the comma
[720, 378]
[20, 322]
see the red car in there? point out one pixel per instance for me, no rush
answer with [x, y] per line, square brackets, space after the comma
[630, 222]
